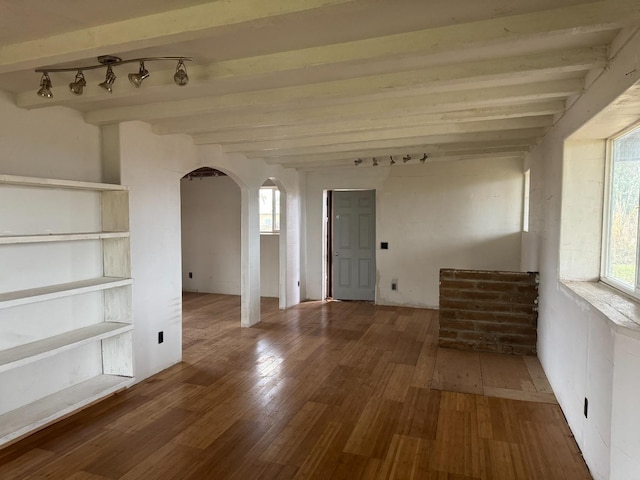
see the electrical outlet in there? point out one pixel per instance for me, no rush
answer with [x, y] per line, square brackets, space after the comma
[190, 274]
[586, 407]
[160, 337]
[394, 285]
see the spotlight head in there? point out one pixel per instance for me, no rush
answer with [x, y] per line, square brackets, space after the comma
[180, 77]
[406, 158]
[424, 158]
[77, 86]
[375, 162]
[391, 160]
[109, 79]
[137, 78]
[357, 162]
[45, 86]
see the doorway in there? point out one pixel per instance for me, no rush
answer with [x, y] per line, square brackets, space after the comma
[351, 245]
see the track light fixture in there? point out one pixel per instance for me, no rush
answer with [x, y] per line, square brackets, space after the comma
[392, 161]
[109, 79]
[180, 76]
[78, 84]
[137, 78]
[45, 86]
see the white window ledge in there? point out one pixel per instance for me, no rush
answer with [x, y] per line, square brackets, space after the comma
[622, 311]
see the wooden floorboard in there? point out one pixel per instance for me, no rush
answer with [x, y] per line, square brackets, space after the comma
[320, 391]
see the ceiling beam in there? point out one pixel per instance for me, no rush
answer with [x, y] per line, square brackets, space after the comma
[274, 123]
[420, 143]
[517, 145]
[444, 79]
[390, 133]
[158, 29]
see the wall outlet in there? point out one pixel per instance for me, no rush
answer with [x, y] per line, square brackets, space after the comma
[394, 284]
[190, 274]
[160, 337]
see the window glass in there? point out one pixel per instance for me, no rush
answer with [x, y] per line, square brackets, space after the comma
[622, 255]
[269, 210]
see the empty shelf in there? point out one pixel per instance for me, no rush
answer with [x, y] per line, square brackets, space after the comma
[34, 351]
[33, 295]
[59, 237]
[55, 183]
[40, 413]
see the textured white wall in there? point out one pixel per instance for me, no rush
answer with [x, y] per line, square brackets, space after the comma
[211, 213]
[581, 351]
[441, 215]
[211, 235]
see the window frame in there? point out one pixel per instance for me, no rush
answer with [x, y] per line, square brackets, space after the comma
[607, 218]
[273, 231]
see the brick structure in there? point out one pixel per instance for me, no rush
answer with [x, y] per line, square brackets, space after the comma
[489, 311]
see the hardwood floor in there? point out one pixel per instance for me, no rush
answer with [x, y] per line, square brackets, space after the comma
[336, 390]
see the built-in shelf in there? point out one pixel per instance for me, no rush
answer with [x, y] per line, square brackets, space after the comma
[39, 372]
[40, 413]
[59, 237]
[47, 347]
[55, 183]
[50, 292]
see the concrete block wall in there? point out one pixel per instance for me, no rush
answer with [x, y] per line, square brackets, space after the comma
[489, 311]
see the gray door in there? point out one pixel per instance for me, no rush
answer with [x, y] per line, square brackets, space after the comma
[354, 240]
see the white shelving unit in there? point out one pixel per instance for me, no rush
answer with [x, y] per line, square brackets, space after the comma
[64, 343]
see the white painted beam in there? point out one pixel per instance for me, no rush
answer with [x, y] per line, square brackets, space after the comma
[516, 144]
[442, 79]
[163, 28]
[221, 133]
[389, 133]
[416, 143]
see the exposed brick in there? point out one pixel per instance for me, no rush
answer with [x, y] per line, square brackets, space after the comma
[488, 310]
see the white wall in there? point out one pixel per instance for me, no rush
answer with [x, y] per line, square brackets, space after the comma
[211, 235]
[582, 353]
[51, 143]
[151, 168]
[211, 238]
[463, 214]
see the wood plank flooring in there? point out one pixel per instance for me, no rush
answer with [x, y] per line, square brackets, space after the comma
[335, 390]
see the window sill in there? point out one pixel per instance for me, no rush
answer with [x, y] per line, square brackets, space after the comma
[621, 311]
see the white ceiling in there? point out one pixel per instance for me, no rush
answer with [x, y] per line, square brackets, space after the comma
[312, 83]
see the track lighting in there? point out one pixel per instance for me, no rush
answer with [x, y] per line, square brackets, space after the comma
[392, 160]
[109, 79]
[136, 79]
[180, 76]
[45, 86]
[78, 84]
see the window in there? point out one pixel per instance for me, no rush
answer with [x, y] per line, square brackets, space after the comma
[621, 223]
[525, 201]
[269, 210]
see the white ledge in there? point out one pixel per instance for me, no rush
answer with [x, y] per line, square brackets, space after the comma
[622, 311]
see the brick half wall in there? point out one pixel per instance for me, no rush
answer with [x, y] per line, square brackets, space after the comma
[489, 311]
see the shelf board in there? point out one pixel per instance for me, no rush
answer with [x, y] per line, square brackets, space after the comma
[36, 415]
[47, 347]
[50, 292]
[55, 183]
[59, 237]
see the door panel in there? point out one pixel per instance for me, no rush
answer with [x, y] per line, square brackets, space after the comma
[354, 239]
